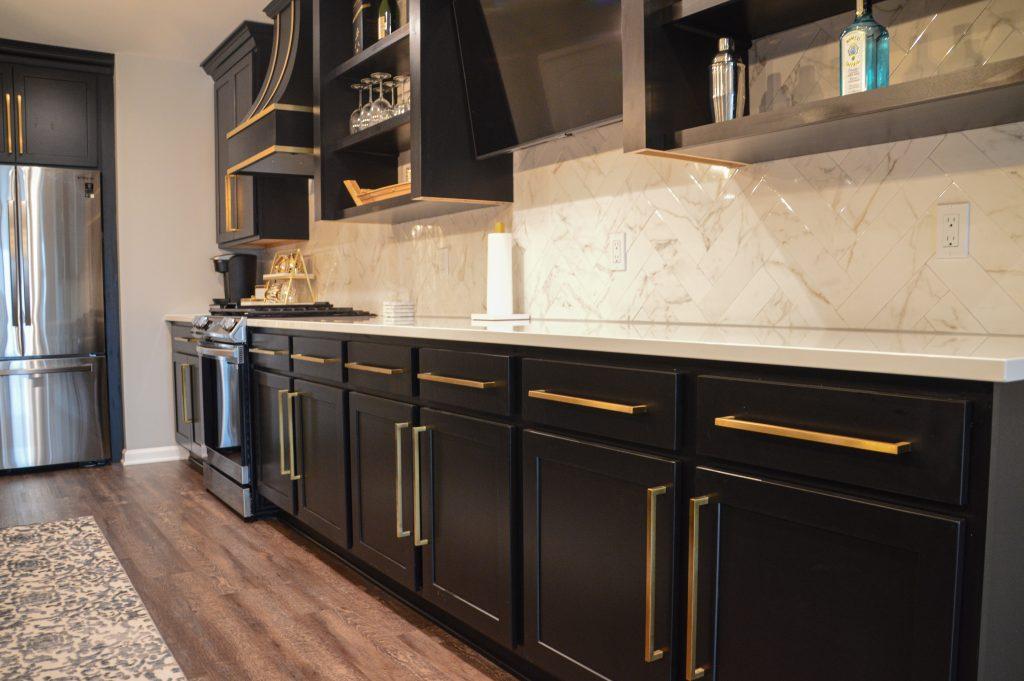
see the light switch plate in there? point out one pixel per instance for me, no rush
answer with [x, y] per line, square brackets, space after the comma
[953, 230]
[617, 251]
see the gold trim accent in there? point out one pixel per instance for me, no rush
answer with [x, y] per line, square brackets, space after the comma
[417, 513]
[186, 377]
[689, 157]
[280, 429]
[315, 360]
[277, 148]
[259, 101]
[693, 672]
[266, 112]
[261, 351]
[21, 125]
[229, 203]
[291, 433]
[431, 377]
[442, 199]
[371, 369]
[183, 339]
[650, 564]
[10, 123]
[887, 448]
[400, 531]
[588, 403]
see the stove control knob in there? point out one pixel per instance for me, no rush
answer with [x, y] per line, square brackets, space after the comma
[228, 323]
[201, 322]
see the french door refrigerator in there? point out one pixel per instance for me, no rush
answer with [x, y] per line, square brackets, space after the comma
[53, 400]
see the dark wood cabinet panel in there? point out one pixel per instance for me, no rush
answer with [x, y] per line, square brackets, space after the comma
[380, 367]
[587, 517]
[273, 479]
[319, 359]
[380, 451]
[56, 117]
[802, 585]
[7, 115]
[184, 398]
[467, 484]
[320, 459]
[467, 380]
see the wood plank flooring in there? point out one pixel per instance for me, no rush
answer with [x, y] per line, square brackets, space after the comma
[238, 600]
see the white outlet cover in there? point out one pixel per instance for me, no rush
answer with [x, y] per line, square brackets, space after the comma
[953, 230]
[617, 251]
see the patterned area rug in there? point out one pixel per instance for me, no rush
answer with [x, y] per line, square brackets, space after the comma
[68, 610]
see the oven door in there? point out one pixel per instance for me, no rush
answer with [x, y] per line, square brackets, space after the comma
[221, 369]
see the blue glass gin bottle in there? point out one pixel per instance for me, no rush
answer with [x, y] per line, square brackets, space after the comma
[863, 53]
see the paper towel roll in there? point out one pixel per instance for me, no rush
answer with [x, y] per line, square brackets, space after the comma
[499, 273]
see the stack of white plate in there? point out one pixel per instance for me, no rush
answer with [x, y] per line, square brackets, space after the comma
[398, 312]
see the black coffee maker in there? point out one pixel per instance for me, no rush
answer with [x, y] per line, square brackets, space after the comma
[239, 272]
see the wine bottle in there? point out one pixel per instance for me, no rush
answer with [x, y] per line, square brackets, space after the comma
[863, 53]
[387, 18]
[362, 26]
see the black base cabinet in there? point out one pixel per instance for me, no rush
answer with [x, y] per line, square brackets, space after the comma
[320, 459]
[598, 531]
[270, 412]
[802, 585]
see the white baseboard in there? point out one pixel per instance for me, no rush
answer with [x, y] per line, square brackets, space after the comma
[133, 457]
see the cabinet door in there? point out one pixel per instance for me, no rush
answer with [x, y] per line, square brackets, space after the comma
[380, 453]
[466, 466]
[195, 388]
[56, 117]
[802, 585]
[184, 398]
[7, 115]
[233, 95]
[273, 476]
[598, 530]
[320, 460]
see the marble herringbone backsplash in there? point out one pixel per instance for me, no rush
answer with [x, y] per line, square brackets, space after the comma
[838, 240]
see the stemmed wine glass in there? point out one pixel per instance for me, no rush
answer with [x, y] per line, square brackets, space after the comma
[355, 121]
[402, 104]
[380, 108]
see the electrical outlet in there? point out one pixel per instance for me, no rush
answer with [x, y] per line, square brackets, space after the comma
[953, 230]
[617, 251]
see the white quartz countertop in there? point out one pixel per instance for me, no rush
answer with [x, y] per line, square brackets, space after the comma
[954, 356]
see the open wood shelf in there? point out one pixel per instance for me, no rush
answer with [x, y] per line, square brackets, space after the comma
[390, 137]
[390, 55]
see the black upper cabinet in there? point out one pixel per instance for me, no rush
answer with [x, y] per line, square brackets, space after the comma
[270, 414]
[598, 596]
[467, 520]
[802, 585]
[50, 116]
[252, 211]
[320, 459]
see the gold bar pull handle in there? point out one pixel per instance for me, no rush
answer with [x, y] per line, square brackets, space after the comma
[21, 124]
[184, 339]
[431, 377]
[879, 447]
[291, 433]
[280, 430]
[229, 204]
[588, 403]
[650, 584]
[315, 360]
[186, 388]
[9, 123]
[373, 369]
[417, 513]
[693, 672]
[400, 531]
[272, 353]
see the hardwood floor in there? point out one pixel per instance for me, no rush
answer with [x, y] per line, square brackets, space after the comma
[238, 600]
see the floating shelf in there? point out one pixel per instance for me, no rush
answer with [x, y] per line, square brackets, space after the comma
[406, 208]
[390, 55]
[974, 98]
[389, 138]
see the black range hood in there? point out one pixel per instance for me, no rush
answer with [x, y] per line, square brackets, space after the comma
[276, 136]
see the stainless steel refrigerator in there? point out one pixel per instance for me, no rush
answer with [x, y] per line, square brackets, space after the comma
[53, 398]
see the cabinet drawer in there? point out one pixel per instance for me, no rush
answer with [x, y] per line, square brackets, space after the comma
[633, 405]
[317, 358]
[465, 379]
[270, 351]
[380, 367]
[904, 444]
[182, 340]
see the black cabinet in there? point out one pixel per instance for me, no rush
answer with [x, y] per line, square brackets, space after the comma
[319, 441]
[467, 488]
[53, 117]
[381, 469]
[188, 429]
[251, 211]
[802, 585]
[598, 532]
[274, 478]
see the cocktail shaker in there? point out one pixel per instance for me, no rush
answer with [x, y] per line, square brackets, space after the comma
[728, 83]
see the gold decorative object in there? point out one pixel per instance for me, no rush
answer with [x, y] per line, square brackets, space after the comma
[361, 196]
[281, 288]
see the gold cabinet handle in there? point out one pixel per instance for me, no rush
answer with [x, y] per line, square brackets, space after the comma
[431, 377]
[229, 203]
[9, 124]
[650, 586]
[291, 433]
[888, 448]
[316, 360]
[183, 339]
[280, 430]
[185, 384]
[371, 369]
[588, 403]
[272, 353]
[693, 672]
[21, 125]
[417, 517]
[400, 531]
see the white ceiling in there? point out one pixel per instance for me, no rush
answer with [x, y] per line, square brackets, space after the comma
[183, 30]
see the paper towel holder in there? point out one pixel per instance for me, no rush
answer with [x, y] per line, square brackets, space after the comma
[499, 280]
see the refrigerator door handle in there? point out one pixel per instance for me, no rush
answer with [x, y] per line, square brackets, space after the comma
[26, 268]
[84, 368]
[12, 232]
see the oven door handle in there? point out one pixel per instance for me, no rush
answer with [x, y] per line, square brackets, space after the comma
[230, 354]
